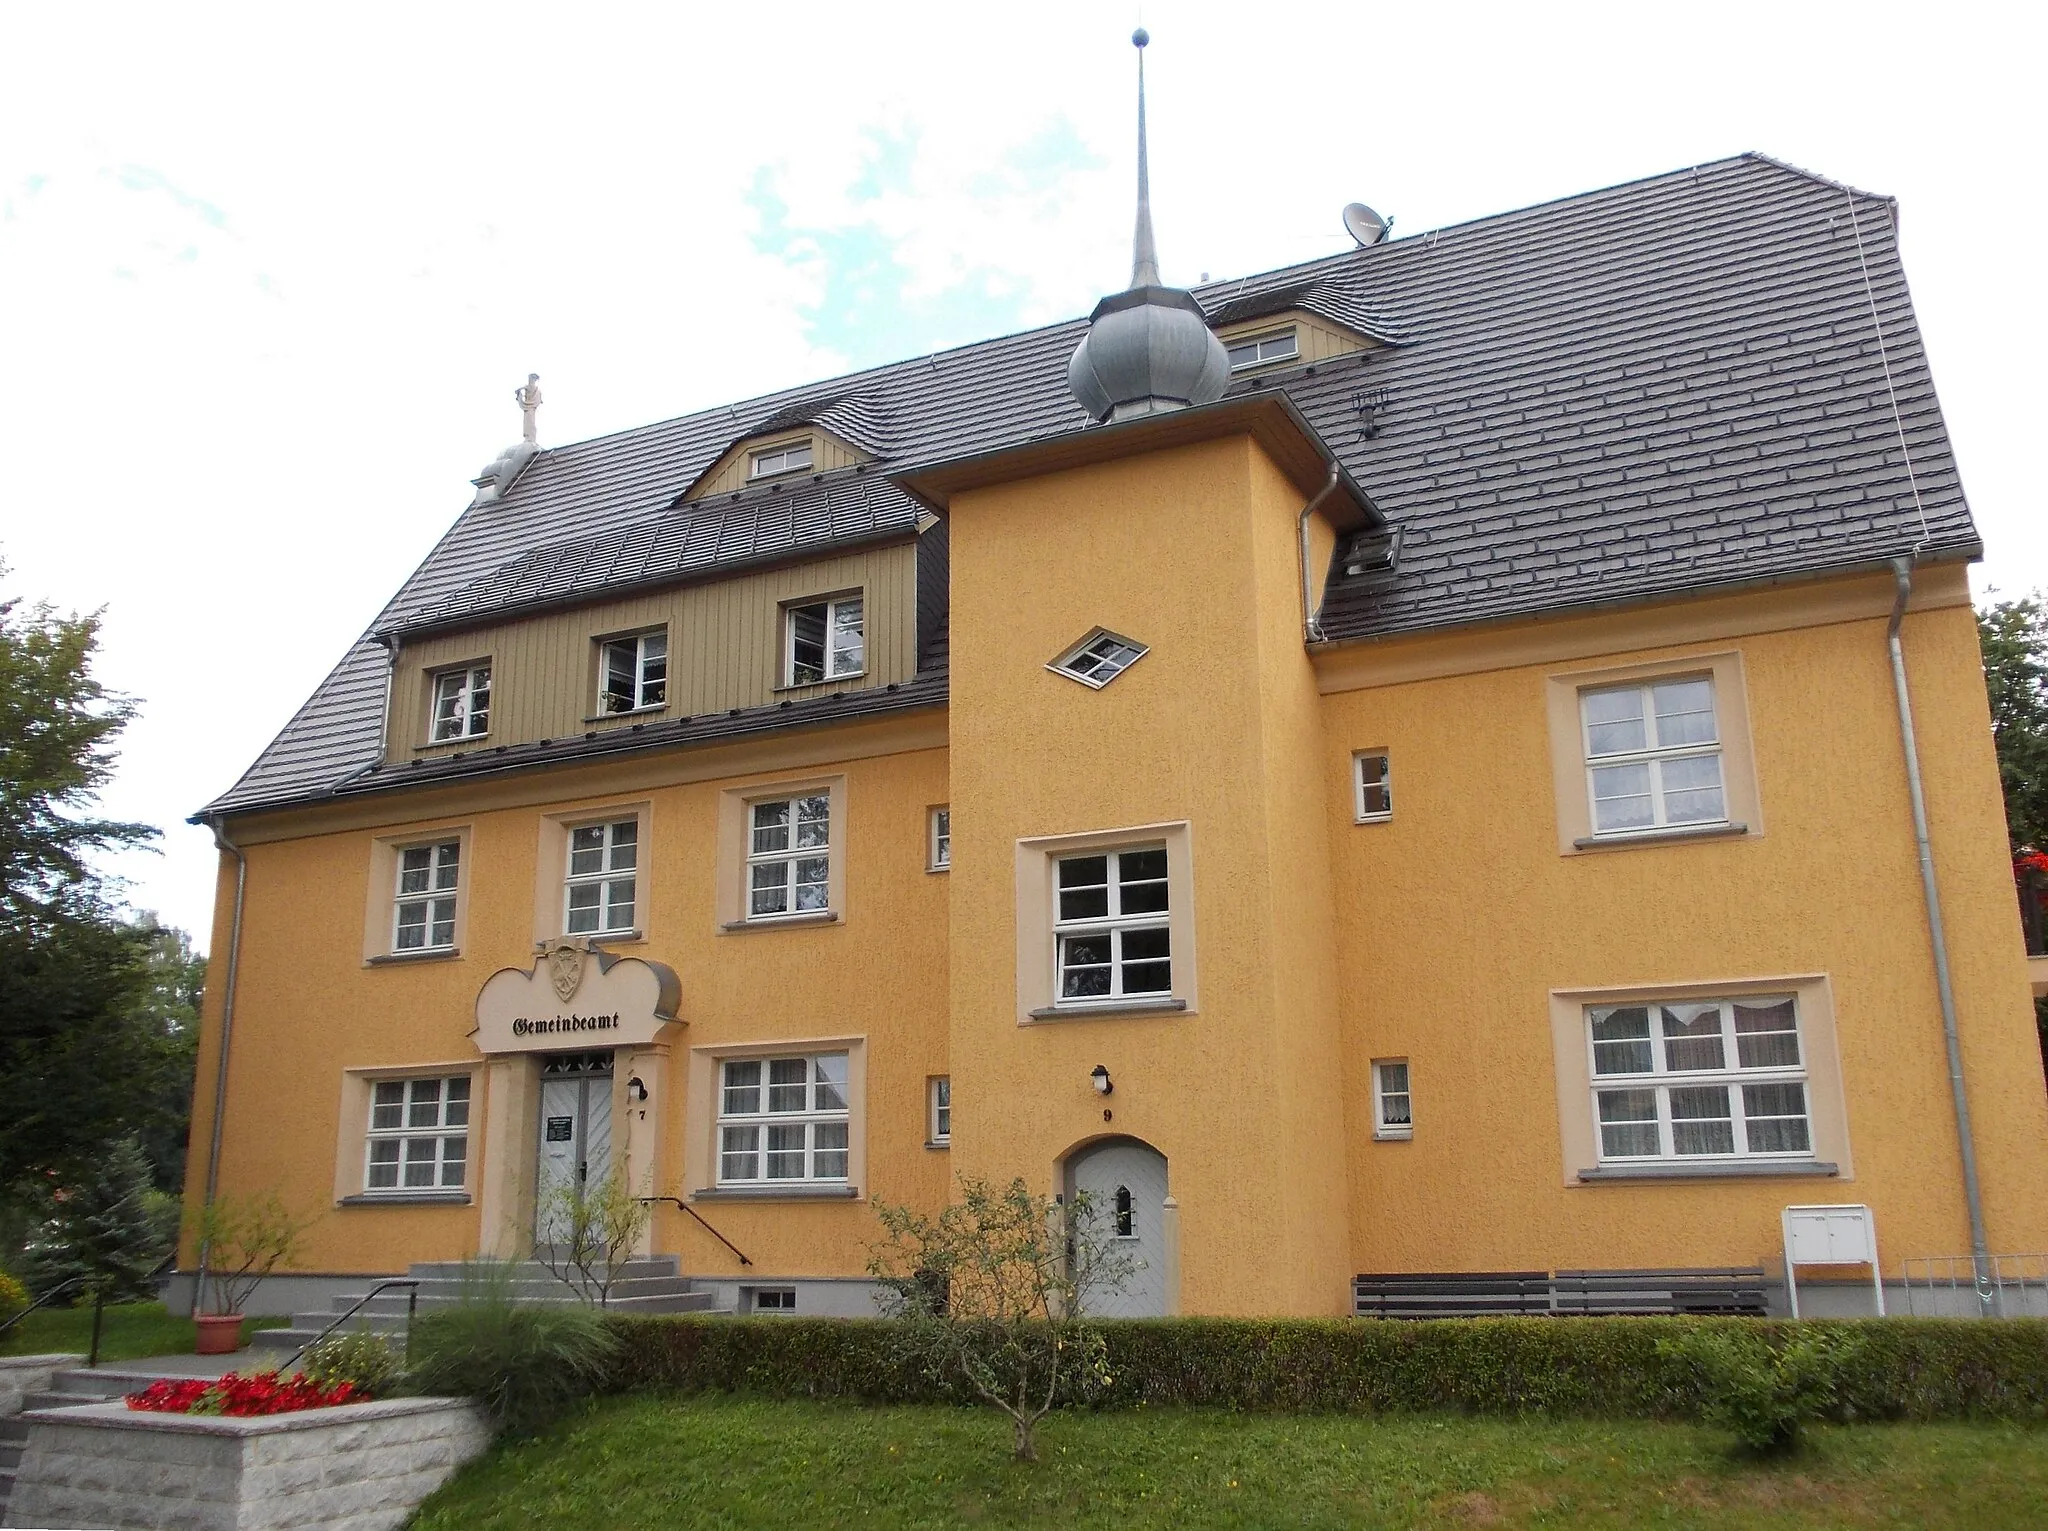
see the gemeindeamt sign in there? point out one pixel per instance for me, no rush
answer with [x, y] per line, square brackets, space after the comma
[572, 997]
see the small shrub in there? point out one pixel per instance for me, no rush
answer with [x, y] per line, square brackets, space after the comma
[364, 1361]
[525, 1362]
[13, 1297]
[1763, 1395]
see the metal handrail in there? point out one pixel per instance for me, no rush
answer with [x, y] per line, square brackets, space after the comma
[55, 1292]
[728, 1243]
[412, 1308]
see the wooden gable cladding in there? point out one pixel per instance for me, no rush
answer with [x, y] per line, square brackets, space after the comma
[1316, 338]
[731, 471]
[725, 641]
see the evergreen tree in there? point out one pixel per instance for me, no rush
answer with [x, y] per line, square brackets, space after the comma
[104, 1222]
[2014, 639]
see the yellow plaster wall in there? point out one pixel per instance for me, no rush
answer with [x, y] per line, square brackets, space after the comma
[1191, 551]
[309, 1007]
[1460, 915]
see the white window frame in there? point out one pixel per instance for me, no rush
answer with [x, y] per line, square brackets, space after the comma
[444, 1121]
[1115, 923]
[938, 1123]
[727, 1146]
[1099, 658]
[773, 462]
[644, 653]
[1652, 757]
[1258, 345]
[1662, 1079]
[1382, 1128]
[1361, 783]
[785, 1299]
[437, 882]
[461, 710]
[612, 868]
[837, 660]
[939, 842]
[793, 857]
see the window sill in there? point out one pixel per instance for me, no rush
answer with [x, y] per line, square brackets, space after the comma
[592, 939]
[777, 1193]
[938, 1145]
[1110, 1007]
[430, 954]
[631, 712]
[1394, 1135]
[454, 744]
[1373, 818]
[1722, 1170]
[812, 685]
[946, 868]
[777, 921]
[1655, 836]
[407, 1199]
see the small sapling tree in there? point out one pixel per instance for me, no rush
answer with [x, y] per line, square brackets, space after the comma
[592, 1233]
[995, 1289]
[245, 1238]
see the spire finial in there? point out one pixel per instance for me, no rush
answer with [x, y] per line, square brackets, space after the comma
[1144, 254]
[529, 405]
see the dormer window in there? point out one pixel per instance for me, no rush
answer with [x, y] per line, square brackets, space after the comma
[633, 673]
[825, 641]
[462, 703]
[1262, 350]
[790, 457]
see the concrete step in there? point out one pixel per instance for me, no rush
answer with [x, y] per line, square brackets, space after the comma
[532, 1270]
[444, 1293]
[80, 1382]
[13, 1431]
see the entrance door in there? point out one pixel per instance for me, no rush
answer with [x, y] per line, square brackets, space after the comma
[575, 1132]
[1125, 1182]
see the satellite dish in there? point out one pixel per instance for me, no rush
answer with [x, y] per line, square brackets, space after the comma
[1365, 225]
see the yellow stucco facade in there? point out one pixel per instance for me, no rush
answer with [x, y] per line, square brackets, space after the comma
[1464, 933]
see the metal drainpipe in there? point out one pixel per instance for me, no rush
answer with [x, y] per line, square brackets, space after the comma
[1311, 629]
[227, 1028]
[1980, 1248]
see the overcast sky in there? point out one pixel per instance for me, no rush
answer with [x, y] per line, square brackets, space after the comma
[268, 276]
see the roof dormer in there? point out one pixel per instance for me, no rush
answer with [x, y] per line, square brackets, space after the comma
[807, 437]
[1287, 326]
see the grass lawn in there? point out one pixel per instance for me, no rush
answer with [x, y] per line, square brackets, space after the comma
[130, 1329]
[725, 1462]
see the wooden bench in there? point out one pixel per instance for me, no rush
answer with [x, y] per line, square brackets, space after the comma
[1451, 1294]
[1736, 1291]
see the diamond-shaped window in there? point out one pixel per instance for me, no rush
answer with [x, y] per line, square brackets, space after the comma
[1099, 658]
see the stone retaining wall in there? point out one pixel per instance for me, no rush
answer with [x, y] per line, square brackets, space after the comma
[359, 1467]
[22, 1375]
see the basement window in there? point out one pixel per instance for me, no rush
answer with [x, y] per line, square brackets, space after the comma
[1099, 658]
[1262, 350]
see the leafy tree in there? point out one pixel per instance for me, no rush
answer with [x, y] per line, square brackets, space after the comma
[57, 726]
[2014, 638]
[995, 1288]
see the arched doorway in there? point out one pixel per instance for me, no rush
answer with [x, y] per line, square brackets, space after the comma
[1125, 1181]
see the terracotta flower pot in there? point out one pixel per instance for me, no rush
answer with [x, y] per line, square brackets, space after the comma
[220, 1334]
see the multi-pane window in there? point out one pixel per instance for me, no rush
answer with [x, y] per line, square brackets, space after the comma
[1653, 755]
[790, 458]
[789, 856]
[633, 673]
[603, 863]
[424, 911]
[462, 703]
[940, 1127]
[1702, 1079]
[1258, 350]
[1100, 658]
[1375, 785]
[826, 641]
[1110, 925]
[1393, 1114]
[942, 839]
[782, 1119]
[419, 1134]
[775, 1299]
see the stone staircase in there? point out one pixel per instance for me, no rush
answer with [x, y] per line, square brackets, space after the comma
[650, 1284]
[75, 1385]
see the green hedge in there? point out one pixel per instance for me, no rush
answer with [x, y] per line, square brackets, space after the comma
[1905, 1368]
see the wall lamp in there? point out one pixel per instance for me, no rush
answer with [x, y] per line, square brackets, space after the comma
[1100, 1079]
[635, 1090]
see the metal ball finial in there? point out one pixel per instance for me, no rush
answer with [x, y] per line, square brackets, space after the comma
[1140, 37]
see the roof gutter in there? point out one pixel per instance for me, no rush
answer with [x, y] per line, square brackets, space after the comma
[1980, 1248]
[227, 1028]
[1311, 613]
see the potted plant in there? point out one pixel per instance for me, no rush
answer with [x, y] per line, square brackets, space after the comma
[242, 1239]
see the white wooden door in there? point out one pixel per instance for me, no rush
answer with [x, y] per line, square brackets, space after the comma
[1125, 1182]
[575, 1144]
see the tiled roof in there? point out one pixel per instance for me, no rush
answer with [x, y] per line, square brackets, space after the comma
[1330, 300]
[1668, 385]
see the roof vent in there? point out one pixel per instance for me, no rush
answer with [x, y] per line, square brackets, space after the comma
[1373, 555]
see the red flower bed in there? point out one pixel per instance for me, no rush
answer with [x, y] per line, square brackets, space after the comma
[258, 1393]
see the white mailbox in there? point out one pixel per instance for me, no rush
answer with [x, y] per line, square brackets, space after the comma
[1831, 1235]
